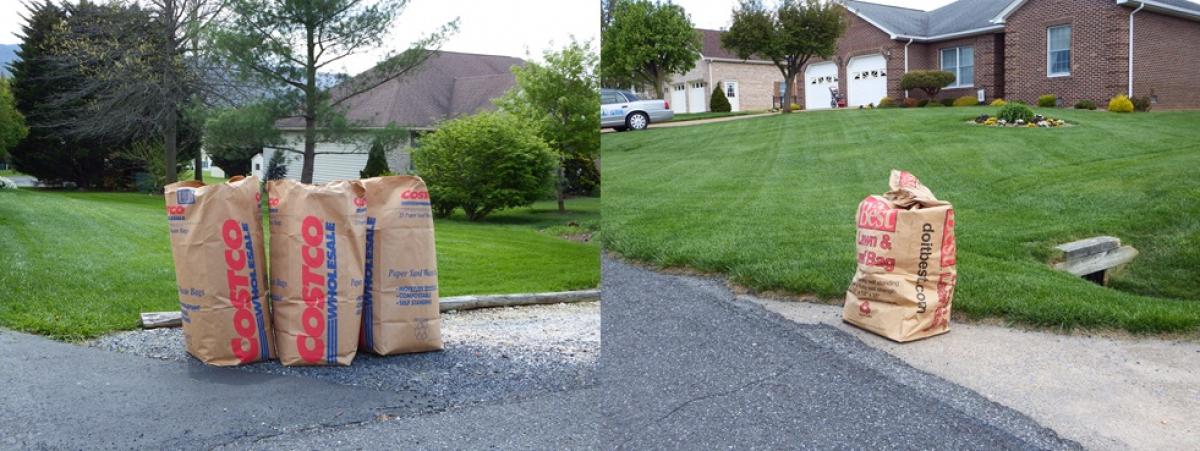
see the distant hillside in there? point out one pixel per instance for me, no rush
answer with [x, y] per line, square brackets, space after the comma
[8, 52]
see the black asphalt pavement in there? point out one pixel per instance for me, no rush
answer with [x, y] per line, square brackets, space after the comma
[62, 396]
[685, 365]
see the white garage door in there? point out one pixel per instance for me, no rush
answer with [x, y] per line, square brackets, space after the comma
[679, 98]
[698, 97]
[818, 78]
[866, 81]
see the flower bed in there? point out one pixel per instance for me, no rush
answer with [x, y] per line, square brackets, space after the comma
[1038, 121]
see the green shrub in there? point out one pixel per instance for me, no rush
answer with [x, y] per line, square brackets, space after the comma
[484, 163]
[999, 103]
[795, 107]
[1141, 104]
[930, 81]
[922, 103]
[1120, 104]
[376, 162]
[1014, 111]
[1048, 101]
[949, 101]
[1085, 105]
[966, 101]
[887, 102]
[718, 103]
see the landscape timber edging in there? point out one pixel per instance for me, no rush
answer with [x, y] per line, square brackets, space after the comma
[151, 320]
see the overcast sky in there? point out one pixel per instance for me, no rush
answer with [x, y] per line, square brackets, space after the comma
[497, 27]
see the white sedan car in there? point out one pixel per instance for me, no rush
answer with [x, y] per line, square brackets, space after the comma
[623, 110]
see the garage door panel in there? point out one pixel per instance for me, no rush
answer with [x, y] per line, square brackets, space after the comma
[866, 80]
[818, 78]
[679, 98]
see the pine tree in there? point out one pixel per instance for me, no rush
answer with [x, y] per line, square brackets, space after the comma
[719, 103]
[277, 166]
[47, 153]
[376, 162]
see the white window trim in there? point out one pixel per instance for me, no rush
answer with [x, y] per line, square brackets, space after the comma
[958, 68]
[1070, 51]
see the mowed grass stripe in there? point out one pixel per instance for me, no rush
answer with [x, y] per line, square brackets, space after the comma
[771, 202]
[78, 265]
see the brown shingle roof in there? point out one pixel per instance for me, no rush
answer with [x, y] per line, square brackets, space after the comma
[447, 85]
[710, 46]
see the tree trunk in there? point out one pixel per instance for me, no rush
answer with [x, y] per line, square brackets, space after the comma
[658, 85]
[170, 121]
[788, 83]
[170, 147]
[310, 109]
[199, 172]
[558, 187]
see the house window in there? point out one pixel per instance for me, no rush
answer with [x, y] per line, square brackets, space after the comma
[730, 91]
[257, 166]
[1058, 51]
[960, 61]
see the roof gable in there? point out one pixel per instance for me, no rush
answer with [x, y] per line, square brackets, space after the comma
[960, 18]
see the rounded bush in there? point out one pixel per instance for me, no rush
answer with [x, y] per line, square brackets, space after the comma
[1048, 101]
[887, 102]
[1141, 104]
[999, 103]
[966, 101]
[910, 102]
[1120, 104]
[1085, 105]
[1014, 111]
[484, 163]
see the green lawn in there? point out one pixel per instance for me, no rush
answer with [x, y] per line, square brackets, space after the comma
[78, 265]
[771, 202]
[683, 117]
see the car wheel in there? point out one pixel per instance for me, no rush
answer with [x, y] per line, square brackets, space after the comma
[637, 121]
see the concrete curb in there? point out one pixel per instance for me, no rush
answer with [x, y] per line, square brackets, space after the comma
[151, 320]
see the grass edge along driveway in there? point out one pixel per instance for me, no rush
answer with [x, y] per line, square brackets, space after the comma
[770, 202]
[78, 265]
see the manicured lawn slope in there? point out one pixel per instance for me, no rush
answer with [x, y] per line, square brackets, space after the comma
[771, 202]
[77, 265]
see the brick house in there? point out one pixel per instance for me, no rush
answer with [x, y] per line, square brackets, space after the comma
[1017, 49]
[1013, 49]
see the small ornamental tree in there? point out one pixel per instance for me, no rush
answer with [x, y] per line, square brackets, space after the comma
[930, 81]
[719, 103]
[484, 163]
[277, 166]
[376, 162]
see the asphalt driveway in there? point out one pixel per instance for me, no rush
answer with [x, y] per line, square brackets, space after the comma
[685, 364]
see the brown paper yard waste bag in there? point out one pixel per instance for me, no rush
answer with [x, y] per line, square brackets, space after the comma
[217, 245]
[904, 284]
[400, 302]
[317, 246]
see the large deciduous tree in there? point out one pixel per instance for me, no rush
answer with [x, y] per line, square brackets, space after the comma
[289, 42]
[789, 35]
[646, 41]
[560, 97]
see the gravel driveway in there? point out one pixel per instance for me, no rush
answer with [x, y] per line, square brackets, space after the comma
[491, 355]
